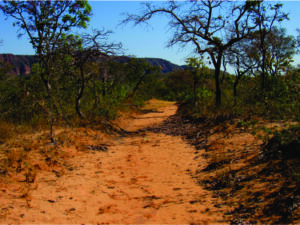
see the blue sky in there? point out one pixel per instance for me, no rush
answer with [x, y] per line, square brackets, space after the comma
[139, 41]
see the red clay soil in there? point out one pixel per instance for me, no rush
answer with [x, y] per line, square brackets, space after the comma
[140, 178]
[257, 186]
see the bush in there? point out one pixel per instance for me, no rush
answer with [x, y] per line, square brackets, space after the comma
[283, 145]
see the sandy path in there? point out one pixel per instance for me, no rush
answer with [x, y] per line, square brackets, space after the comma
[144, 178]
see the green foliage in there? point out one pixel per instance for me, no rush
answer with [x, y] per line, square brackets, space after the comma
[47, 24]
[4, 68]
[24, 100]
[246, 124]
[19, 96]
[192, 84]
[280, 100]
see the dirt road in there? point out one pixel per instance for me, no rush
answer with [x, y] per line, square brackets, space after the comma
[141, 178]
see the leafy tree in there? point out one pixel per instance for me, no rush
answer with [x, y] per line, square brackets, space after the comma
[137, 71]
[45, 23]
[180, 84]
[275, 57]
[281, 49]
[198, 70]
[4, 68]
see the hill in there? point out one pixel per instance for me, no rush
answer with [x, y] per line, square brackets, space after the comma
[165, 65]
[22, 63]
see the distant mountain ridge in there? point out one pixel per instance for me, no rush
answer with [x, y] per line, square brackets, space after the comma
[22, 63]
[165, 65]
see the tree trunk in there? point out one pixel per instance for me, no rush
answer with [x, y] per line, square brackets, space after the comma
[224, 72]
[49, 110]
[139, 83]
[263, 75]
[235, 87]
[96, 98]
[262, 33]
[218, 92]
[195, 82]
[80, 94]
[104, 79]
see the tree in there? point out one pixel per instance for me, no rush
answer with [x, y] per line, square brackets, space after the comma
[266, 17]
[137, 71]
[198, 70]
[78, 52]
[204, 24]
[4, 67]
[239, 57]
[281, 49]
[276, 55]
[45, 22]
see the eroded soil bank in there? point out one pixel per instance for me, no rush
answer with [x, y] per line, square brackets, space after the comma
[142, 177]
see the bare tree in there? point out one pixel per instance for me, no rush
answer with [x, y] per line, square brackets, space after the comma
[238, 57]
[81, 51]
[211, 26]
[94, 46]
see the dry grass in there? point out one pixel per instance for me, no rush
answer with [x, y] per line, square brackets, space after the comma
[6, 131]
[23, 157]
